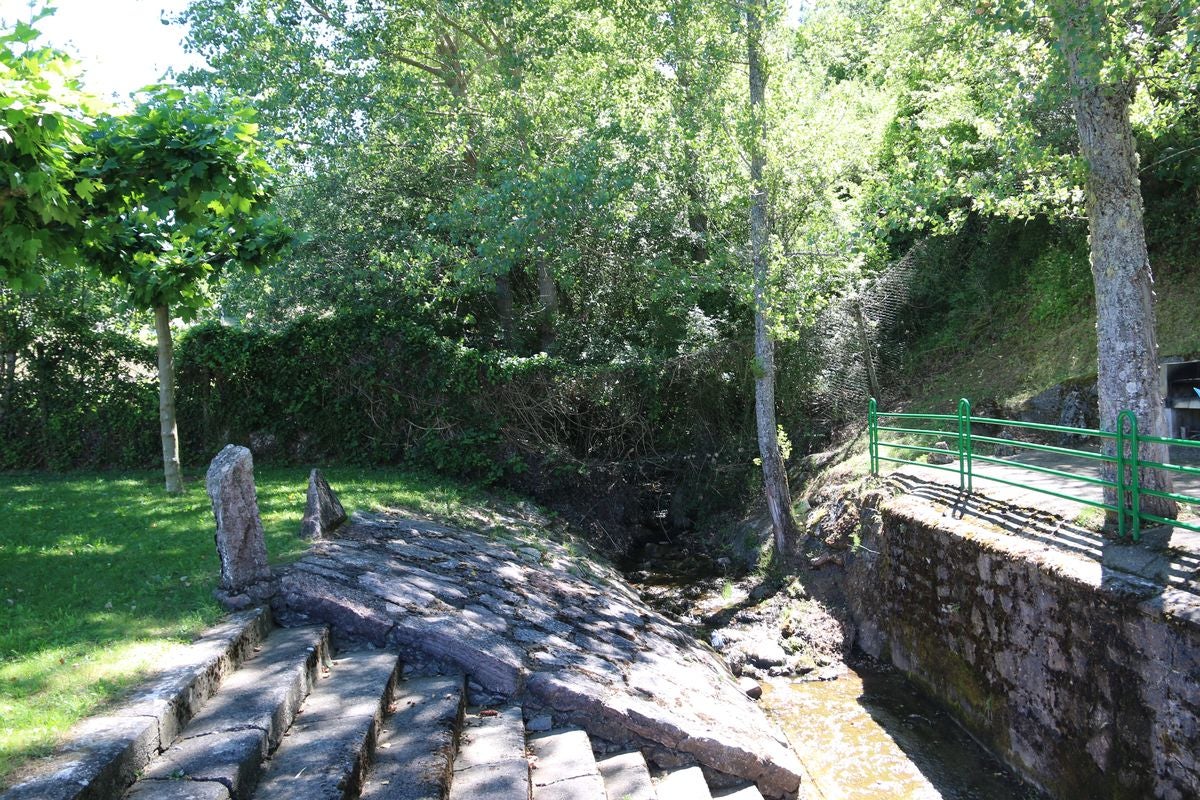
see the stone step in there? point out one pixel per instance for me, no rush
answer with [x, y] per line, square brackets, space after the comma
[745, 793]
[325, 753]
[491, 761]
[683, 784]
[103, 755]
[414, 754]
[626, 777]
[565, 768]
[227, 741]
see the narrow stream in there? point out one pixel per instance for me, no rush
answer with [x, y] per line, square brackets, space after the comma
[871, 735]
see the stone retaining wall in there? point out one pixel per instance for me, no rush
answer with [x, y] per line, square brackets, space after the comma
[1086, 679]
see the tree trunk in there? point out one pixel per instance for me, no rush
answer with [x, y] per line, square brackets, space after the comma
[775, 481]
[504, 308]
[868, 349]
[697, 218]
[8, 380]
[1127, 376]
[166, 401]
[548, 298]
[43, 370]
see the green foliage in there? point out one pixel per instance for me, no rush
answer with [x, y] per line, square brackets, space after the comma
[1060, 282]
[75, 389]
[44, 115]
[380, 388]
[177, 190]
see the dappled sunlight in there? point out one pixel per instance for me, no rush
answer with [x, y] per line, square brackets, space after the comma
[100, 574]
[44, 693]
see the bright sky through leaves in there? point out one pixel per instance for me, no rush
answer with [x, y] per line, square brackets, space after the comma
[122, 44]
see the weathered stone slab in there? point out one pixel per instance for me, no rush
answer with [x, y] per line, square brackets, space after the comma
[683, 784]
[565, 768]
[320, 598]
[323, 511]
[227, 741]
[415, 751]
[241, 546]
[626, 776]
[327, 749]
[230, 758]
[179, 790]
[493, 660]
[268, 689]
[491, 758]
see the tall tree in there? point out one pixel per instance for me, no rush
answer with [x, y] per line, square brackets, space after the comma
[1092, 36]
[181, 191]
[775, 479]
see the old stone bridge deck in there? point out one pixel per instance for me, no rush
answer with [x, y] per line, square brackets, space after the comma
[421, 660]
[531, 619]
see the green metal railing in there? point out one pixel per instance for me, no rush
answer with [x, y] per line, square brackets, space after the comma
[1120, 448]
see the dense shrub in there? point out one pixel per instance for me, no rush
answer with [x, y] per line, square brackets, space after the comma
[75, 397]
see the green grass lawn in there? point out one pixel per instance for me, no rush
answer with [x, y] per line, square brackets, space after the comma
[100, 573]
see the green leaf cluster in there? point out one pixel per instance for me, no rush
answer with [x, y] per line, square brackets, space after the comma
[44, 117]
[177, 191]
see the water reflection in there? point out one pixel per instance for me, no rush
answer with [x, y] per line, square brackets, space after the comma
[870, 736]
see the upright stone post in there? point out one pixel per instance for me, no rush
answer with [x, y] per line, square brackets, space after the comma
[323, 511]
[245, 575]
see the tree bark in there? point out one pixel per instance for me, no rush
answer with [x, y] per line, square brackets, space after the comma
[548, 298]
[166, 401]
[8, 379]
[43, 369]
[868, 349]
[1127, 368]
[775, 480]
[504, 309]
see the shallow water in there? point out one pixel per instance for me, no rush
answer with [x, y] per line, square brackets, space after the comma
[870, 735]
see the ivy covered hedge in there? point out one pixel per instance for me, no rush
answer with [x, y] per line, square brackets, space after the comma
[377, 389]
[74, 397]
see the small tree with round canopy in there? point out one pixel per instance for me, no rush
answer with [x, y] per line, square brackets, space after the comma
[181, 192]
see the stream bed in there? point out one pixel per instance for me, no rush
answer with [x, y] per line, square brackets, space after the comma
[871, 735]
[861, 729]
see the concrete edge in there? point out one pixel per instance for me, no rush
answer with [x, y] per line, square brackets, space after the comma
[102, 755]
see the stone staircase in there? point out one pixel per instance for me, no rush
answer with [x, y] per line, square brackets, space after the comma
[254, 711]
[498, 758]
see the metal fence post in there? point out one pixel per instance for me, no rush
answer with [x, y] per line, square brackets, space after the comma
[873, 435]
[965, 482]
[1120, 476]
[1135, 473]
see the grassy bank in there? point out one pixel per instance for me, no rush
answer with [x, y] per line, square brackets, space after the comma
[100, 573]
[1009, 356]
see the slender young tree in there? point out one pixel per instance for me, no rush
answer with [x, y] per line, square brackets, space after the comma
[775, 480]
[181, 194]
